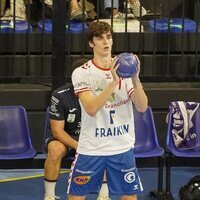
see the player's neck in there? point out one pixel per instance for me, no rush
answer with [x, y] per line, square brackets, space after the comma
[103, 62]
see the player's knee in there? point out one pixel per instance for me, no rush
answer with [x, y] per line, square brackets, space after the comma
[129, 197]
[56, 150]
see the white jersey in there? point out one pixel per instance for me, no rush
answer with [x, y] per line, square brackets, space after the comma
[111, 131]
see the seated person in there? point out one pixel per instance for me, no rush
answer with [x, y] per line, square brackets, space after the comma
[76, 9]
[134, 6]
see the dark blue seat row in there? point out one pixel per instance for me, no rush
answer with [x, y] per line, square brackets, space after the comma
[15, 141]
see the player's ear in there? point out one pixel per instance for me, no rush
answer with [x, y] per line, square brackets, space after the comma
[91, 44]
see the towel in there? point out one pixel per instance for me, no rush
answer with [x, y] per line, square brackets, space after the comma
[183, 124]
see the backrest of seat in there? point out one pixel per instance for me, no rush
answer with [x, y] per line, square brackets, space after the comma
[47, 124]
[146, 135]
[169, 141]
[14, 130]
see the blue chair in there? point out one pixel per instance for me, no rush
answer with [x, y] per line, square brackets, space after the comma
[46, 124]
[147, 145]
[19, 26]
[15, 141]
[173, 152]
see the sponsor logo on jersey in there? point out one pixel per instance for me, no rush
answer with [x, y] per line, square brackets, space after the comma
[72, 110]
[84, 172]
[115, 105]
[55, 114]
[108, 76]
[98, 86]
[81, 84]
[85, 66]
[54, 99]
[115, 131]
[135, 187]
[129, 177]
[128, 170]
[71, 118]
[77, 132]
[61, 91]
[112, 97]
[53, 110]
[81, 180]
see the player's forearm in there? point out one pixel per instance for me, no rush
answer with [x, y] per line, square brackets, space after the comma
[97, 102]
[139, 97]
[65, 138]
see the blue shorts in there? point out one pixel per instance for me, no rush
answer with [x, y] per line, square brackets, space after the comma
[87, 173]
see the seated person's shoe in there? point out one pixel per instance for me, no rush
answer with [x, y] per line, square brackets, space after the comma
[89, 8]
[120, 15]
[78, 15]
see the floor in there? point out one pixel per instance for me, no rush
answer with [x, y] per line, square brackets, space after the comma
[28, 183]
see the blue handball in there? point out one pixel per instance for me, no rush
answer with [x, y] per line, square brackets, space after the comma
[128, 65]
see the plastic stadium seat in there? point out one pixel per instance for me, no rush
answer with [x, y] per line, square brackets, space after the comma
[175, 25]
[15, 141]
[147, 145]
[19, 26]
[75, 27]
[47, 124]
[174, 152]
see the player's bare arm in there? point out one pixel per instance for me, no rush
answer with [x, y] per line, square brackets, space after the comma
[93, 104]
[139, 97]
[60, 134]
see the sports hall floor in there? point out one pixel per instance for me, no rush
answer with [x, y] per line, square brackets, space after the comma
[27, 184]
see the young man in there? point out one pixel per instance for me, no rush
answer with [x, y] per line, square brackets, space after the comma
[63, 133]
[134, 6]
[107, 132]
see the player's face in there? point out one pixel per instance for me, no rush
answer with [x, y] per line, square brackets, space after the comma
[102, 44]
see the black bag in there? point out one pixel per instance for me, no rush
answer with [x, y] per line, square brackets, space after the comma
[191, 191]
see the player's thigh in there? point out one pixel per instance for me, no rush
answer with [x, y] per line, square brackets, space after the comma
[122, 174]
[86, 175]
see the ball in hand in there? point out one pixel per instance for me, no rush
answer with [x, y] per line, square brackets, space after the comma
[128, 65]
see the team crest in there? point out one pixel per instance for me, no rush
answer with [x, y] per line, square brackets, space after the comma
[112, 97]
[71, 118]
[98, 86]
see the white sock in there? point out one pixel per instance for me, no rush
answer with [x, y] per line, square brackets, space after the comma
[49, 187]
[104, 189]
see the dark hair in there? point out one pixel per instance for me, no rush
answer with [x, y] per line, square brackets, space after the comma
[79, 62]
[97, 28]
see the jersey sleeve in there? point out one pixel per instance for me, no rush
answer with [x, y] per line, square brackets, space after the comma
[80, 80]
[56, 108]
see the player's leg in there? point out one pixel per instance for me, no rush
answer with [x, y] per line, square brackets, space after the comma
[103, 193]
[122, 176]
[86, 176]
[129, 197]
[72, 197]
[56, 151]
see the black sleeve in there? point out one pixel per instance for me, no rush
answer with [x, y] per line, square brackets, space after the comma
[56, 108]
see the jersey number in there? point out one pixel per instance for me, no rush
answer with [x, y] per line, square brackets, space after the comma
[112, 116]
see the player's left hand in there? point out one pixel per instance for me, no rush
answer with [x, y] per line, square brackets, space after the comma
[138, 66]
[113, 68]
